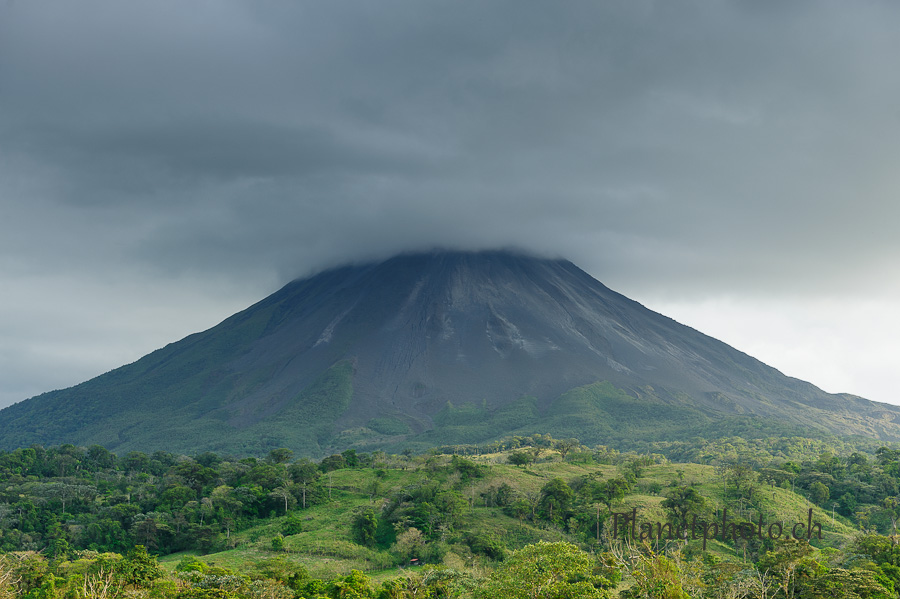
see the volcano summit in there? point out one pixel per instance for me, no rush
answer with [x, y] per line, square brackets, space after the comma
[432, 348]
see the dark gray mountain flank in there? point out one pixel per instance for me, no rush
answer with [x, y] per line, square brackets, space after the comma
[441, 347]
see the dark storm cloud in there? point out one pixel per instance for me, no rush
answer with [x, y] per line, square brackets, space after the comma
[123, 162]
[713, 131]
[686, 146]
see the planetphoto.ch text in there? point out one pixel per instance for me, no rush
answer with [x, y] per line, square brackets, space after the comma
[626, 525]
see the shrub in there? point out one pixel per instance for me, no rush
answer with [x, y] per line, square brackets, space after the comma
[292, 525]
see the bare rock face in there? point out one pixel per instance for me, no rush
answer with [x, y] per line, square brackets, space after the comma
[375, 353]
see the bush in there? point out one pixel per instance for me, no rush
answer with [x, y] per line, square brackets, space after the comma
[487, 545]
[292, 525]
[364, 527]
[139, 568]
[520, 458]
[190, 563]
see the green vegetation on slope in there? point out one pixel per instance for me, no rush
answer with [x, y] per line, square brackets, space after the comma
[309, 420]
[596, 413]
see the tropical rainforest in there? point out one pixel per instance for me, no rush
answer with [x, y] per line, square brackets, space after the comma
[528, 516]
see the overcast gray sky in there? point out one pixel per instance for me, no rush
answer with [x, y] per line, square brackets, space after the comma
[732, 164]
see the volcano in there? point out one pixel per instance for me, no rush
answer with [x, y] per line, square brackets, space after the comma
[437, 348]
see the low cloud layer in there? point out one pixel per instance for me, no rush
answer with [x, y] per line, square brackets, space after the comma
[165, 164]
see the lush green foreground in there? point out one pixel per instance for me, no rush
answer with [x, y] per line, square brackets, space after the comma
[531, 517]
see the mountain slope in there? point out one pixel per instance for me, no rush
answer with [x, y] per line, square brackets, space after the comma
[437, 347]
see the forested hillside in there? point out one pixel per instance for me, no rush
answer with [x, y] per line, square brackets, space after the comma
[456, 521]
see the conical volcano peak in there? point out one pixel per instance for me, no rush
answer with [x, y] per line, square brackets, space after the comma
[435, 347]
[498, 314]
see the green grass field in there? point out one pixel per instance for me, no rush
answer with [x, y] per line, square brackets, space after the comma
[326, 548]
